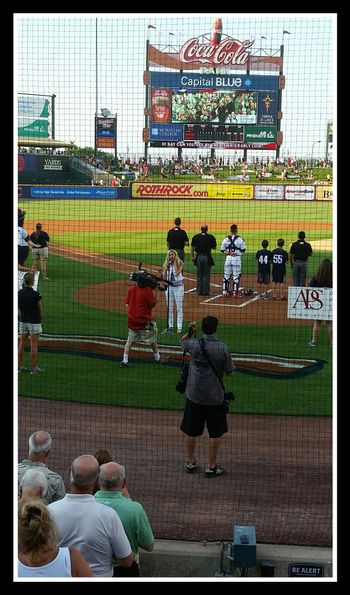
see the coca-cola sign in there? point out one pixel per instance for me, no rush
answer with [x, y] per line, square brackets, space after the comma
[227, 53]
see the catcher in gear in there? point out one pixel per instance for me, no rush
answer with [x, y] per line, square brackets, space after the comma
[233, 247]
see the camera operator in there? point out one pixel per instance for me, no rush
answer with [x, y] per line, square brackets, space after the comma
[140, 301]
[205, 393]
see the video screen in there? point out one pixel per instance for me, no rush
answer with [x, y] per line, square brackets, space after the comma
[230, 107]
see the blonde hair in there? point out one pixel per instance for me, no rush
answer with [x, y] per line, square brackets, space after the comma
[37, 532]
[178, 262]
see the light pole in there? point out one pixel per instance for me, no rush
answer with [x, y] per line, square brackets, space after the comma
[312, 151]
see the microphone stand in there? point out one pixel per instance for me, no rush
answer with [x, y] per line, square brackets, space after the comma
[167, 331]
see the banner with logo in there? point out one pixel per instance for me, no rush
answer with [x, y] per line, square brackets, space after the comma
[310, 303]
[33, 113]
[299, 192]
[269, 192]
[183, 190]
[260, 134]
[324, 192]
[106, 132]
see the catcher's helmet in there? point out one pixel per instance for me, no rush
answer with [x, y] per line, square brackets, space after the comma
[247, 291]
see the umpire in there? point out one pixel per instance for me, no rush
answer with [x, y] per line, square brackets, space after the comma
[201, 246]
[177, 239]
[299, 253]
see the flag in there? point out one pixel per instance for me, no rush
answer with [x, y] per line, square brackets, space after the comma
[286, 32]
[151, 27]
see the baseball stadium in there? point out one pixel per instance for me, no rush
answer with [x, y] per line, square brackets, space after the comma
[210, 122]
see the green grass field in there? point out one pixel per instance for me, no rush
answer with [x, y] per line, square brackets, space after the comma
[100, 380]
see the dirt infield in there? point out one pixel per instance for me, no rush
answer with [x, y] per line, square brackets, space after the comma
[111, 295]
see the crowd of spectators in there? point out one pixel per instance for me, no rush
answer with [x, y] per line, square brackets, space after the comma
[93, 529]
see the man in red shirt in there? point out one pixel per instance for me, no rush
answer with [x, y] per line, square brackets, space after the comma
[140, 301]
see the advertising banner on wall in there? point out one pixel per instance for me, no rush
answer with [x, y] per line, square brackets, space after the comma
[269, 192]
[50, 163]
[310, 303]
[324, 192]
[184, 190]
[299, 193]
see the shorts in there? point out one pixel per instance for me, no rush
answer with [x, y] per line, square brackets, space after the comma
[277, 278]
[30, 328]
[196, 416]
[23, 252]
[264, 278]
[41, 253]
[147, 335]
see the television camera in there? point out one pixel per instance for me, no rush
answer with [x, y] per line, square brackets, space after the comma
[145, 279]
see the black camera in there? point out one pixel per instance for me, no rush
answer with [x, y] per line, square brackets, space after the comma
[144, 279]
[228, 396]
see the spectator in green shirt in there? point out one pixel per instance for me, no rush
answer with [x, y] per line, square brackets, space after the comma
[131, 513]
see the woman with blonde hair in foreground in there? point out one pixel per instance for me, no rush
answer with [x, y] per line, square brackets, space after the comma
[38, 553]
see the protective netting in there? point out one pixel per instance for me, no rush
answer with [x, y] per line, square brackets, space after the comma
[124, 125]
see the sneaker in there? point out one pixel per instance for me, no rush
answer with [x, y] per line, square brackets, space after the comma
[179, 331]
[312, 343]
[36, 370]
[235, 294]
[224, 293]
[191, 467]
[157, 361]
[213, 472]
[167, 331]
[22, 369]
[124, 365]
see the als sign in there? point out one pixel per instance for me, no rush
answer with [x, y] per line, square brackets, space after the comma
[310, 303]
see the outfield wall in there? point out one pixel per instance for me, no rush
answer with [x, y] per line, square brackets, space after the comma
[182, 190]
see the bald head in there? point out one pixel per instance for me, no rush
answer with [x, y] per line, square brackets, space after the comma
[204, 228]
[39, 445]
[84, 473]
[112, 476]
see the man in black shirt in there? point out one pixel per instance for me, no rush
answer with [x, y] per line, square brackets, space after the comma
[177, 239]
[201, 246]
[299, 253]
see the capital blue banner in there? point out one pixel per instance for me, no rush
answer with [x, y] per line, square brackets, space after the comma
[193, 81]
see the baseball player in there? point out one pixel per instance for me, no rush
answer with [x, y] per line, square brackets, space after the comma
[233, 247]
